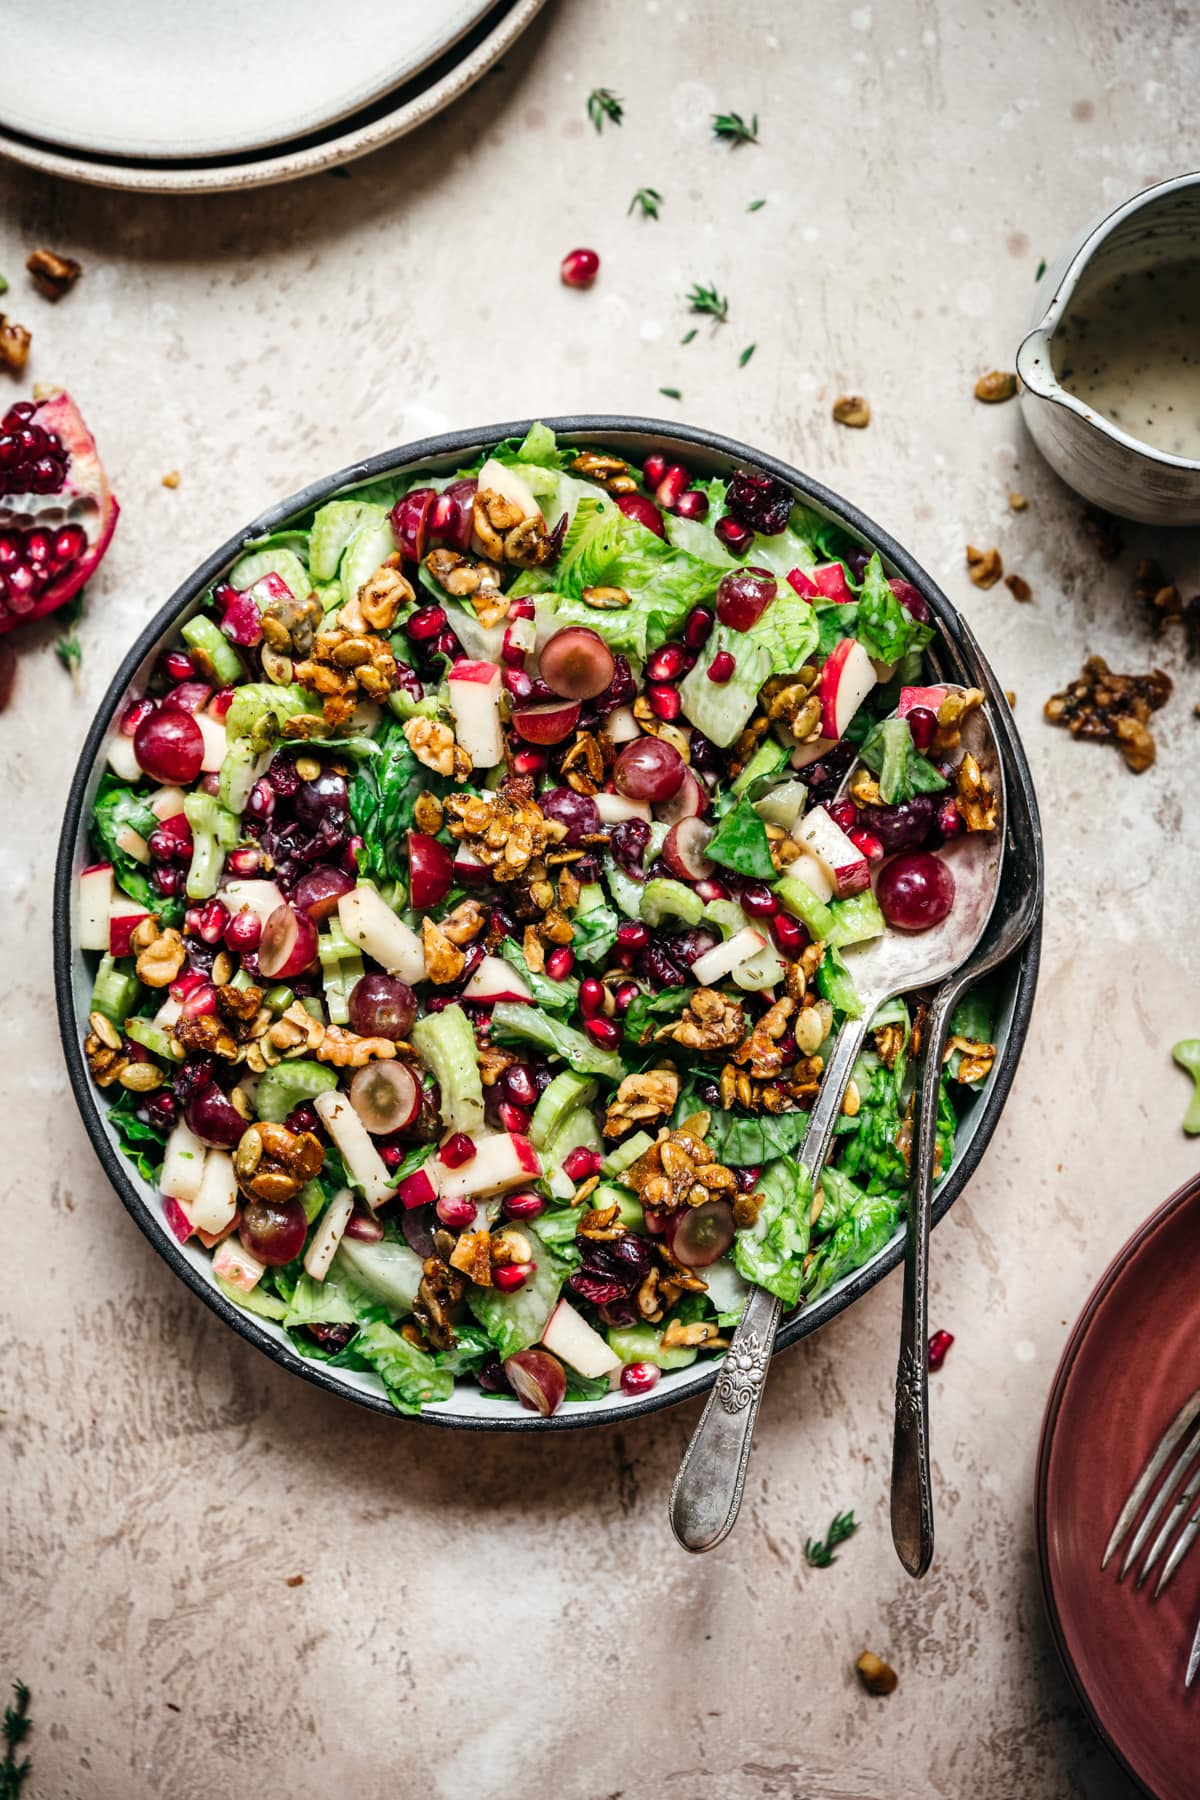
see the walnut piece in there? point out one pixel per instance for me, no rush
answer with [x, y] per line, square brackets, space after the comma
[710, 1021]
[273, 1163]
[1112, 708]
[465, 923]
[433, 744]
[161, 954]
[344, 1049]
[439, 1297]
[14, 345]
[852, 410]
[206, 1036]
[876, 1676]
[639, 1098]
[977, 1058]
[53, 275]
[973, 797]
[472, 1256]
[344, 666]
[984, 566]
[444, 961]
[506, 830]
[1018, 587]
[297, 1033]
[380, 598]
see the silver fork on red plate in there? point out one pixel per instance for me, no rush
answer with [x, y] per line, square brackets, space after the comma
[1184, 1430]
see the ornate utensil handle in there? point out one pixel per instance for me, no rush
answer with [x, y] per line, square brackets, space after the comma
[912, 1491]
[708, 1488]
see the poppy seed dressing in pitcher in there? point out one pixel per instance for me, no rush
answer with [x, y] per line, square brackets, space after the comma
[1131, 351]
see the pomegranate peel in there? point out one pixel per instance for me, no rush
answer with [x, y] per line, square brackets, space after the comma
[57, 511]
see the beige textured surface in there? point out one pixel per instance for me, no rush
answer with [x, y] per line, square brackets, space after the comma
[483, 1618]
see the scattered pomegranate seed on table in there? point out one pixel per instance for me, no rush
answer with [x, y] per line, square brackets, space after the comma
[939, 1343]
[579, 268]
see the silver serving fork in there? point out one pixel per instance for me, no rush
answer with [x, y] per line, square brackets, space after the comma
[1184, 1429]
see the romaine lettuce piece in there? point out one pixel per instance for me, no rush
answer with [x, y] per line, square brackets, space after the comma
[515, 1022]
[410, 1375]
[886, 629]
[771, 1252]
[446, 1045]
[515, 1321]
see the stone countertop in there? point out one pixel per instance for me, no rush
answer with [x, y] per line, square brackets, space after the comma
[488, 1616]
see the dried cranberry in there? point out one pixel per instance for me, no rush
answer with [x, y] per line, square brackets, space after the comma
[491, 1377]
[710, 1094]
[657, 968]
[191, 1076]
[760, 502]
[332, 1337]
[409, 681]
[621, 690]
[747, 1177]
[160, 1110]
[628, 841]
[282, 776]
[686, 946]
[596, 1288]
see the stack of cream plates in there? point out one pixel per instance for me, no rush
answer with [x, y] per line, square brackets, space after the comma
[185, 99]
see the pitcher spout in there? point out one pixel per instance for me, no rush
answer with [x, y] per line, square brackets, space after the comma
[1034, 364]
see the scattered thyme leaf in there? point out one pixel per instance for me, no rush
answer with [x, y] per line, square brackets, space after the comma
[16, 1729]
[707, 300]
[67, 648]
[671, 393]
[604, 104]
[3, 285]
[1041, 270]
[649, 199]
[689, 335]
[818, 1552]
[747, 353]
[733, 129]
[756, 206]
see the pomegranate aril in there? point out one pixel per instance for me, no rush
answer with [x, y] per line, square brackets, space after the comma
[455, 1211]
[530, 762]
[178, 666]
[747, 1177]
[867, 842]
[579, 268]
[511, 1276]
[923, 725]
[625, 995]
[632, 935]
[668, 663]
[654, 468]
[518, 682]
[457, 1150]
[722, 666]
[673, 484]
[243, 931]
[523, 1206]
[166, 879]
[560, 962]
[939, 1343]
[591, 997]
[734, 536]
[788, 933]
[844, 814]
[207, 922]
[245, 861]
[697, 627]
[604, 1032]
[134, 713]
[665, 702]
[520, 1085]
[639, 1377]
[757, 900]
[581, 1163]
[516, 1119]
[643, 509]
[712, 889]
[692, 505]
[426, 622]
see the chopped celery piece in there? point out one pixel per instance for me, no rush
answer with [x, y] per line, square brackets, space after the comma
[856, 919]
[214, 830]
[371, 543]
[577, 1130]
[341, 967]
[641, 1343]
[153, 1038]
[798, 898]
[611, 1193]
[663, 899]
[566, 1092]
[278, 998]
[202, 634]
[727, 916]
[446, 1045]
[332, 528]
[240, 769]
[267, 1306]
[115, 992]
[277, 560]
[282, 1088]
[626, 1154]
[255, 699]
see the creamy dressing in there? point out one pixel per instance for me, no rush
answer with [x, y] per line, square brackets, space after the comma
[1132, 352]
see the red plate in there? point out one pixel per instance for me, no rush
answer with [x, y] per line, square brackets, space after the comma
[1132, 1361]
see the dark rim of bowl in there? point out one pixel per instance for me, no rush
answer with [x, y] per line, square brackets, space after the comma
[1182, 1196]
[411, 457]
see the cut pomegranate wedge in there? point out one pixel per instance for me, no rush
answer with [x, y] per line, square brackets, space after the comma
[57, 512]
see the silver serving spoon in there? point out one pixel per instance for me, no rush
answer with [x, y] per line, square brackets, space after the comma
[708, 1488]
[1015, 914]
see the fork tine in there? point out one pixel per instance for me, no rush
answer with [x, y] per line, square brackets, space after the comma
[1183, 1419]
[1183, 1544]
[1166, 1488]
[1172, 1521]
[1194, 1658]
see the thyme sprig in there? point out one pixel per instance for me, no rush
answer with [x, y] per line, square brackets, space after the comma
[707, 300]
[649, 199]
[16, 1729]
[604, 104]
[818, 1552]
[732, 129]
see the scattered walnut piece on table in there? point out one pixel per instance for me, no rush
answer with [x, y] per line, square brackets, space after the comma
[1112, 708]
[984, 566]
[171, 480]
[1017, 501]
[294, 1581]
[1157, 595]
[53, 275]
[999, 385]
[1018, 587]
[14, 345]
[877, 1676]
[852, 410]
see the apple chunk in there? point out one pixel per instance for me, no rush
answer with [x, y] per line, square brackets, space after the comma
[570, 1337]
[502, 1160]
[722, 959]
[494, 980]
[124, 917]
[475, 702]
[500, 478]
[95, 903]
[844, 864]
[846, 679]
[369, 922]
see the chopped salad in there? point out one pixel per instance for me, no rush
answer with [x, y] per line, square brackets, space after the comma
[473, 880]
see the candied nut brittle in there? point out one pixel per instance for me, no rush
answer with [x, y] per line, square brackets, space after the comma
[710, 1021]
[507, 830]
[1112, 708]
[641, 1097]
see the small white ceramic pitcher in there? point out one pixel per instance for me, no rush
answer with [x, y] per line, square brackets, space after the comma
[1095, 457]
